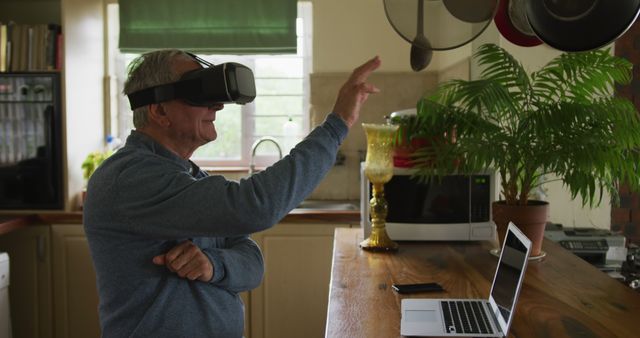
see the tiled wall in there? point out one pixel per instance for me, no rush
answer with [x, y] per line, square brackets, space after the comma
[398, 91]
[626, 217]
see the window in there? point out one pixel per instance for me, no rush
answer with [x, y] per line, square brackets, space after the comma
[280, 109]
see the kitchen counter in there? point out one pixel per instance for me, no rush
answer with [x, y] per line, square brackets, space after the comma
[10, 221]
[562, 296]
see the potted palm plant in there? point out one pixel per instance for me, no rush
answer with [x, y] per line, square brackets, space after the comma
[562, 120]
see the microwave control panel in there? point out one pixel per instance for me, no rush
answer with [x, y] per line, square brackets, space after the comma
[480, 193]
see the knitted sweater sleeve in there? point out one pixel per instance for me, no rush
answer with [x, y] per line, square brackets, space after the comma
[161, 202]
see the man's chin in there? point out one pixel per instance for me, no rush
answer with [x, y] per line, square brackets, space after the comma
[210, 135]
[211, 138]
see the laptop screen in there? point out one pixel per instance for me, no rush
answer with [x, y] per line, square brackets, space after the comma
[505, 285]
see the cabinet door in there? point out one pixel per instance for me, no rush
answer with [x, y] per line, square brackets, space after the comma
[292, 299]
[30, 280]
[246, 296]
[75, 298]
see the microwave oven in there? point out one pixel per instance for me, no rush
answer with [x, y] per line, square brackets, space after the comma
[451, 208]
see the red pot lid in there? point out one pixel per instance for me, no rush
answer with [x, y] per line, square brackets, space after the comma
[512, 23]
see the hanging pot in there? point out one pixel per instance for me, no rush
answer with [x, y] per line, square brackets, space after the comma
[580, 25]
[511, 21]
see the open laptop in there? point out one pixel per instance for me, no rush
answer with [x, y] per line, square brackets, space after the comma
[474, 317]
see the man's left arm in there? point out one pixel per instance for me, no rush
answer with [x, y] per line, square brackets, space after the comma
[237, 267]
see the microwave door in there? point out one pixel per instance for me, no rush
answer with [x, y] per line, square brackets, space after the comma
[442, 201]
[453, 207]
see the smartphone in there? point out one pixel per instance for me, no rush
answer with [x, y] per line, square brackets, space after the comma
[413, 288]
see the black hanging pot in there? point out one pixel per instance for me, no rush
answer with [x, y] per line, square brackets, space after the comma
[580, 25]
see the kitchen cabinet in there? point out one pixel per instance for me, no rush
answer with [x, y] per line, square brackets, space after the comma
[292, 299]
[30, 291]
[75, 300]
[53, 286]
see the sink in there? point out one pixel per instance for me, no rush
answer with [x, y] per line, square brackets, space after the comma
[327, 205]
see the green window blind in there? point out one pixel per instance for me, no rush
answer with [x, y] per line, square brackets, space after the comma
[209, 26]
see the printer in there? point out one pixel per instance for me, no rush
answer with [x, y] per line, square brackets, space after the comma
[600, 247]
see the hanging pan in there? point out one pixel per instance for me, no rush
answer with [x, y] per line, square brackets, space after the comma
[580, 25]
[511, 21]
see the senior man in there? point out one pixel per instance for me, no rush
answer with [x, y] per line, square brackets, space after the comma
[170, 243]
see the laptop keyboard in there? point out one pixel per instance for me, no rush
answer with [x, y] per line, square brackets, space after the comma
[463, 316]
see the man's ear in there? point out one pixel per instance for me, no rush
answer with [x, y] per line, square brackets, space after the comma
[158, 115]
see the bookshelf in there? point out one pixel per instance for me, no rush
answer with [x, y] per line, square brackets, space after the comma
[30, 35]
[30, 47]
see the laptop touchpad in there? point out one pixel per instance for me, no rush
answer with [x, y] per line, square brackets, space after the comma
[420, 316]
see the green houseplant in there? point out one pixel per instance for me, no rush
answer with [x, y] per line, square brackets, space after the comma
[89, 165]
[92, 161]
[561, 120]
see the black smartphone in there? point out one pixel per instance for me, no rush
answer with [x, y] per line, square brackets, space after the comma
[413, 288]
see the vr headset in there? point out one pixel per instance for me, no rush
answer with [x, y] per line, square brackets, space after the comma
[224, 83]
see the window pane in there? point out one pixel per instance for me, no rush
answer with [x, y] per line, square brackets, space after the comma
[278, 67]
[279, 105]
[279, 86]
[269, 126]
[288, 133]
[228, 145]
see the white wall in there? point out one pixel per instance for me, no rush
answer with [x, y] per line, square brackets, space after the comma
[83, 27]
[347, 33]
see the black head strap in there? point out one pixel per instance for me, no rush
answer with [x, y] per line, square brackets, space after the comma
[166, 92]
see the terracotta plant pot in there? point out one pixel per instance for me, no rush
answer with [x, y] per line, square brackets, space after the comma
[531, 219]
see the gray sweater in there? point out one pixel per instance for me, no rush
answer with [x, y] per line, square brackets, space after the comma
[143, 200]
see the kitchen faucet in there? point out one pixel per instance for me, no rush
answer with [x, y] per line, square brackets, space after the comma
[252, 166]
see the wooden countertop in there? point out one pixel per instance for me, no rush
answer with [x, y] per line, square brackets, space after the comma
[562, 296]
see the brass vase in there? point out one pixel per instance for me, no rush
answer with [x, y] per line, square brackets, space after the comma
[379, 169]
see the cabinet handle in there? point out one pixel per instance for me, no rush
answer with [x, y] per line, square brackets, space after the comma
[40, 248]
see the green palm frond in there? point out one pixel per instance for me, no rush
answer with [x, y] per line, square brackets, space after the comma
[501, 67]
[561, 119]
[581, 76]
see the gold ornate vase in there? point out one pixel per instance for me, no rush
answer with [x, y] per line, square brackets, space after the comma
[379, 169]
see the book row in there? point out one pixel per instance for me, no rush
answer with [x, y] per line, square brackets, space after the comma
[30, 47]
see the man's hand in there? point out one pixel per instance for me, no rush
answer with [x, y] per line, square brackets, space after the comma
[355, 92]
[186, 260]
